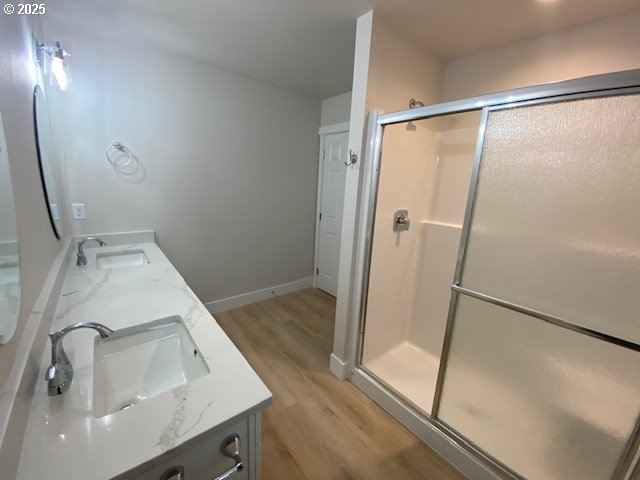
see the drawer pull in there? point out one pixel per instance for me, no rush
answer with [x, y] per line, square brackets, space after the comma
[174, 473]
[231, 448]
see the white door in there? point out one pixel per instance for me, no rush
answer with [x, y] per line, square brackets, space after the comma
[333, 170]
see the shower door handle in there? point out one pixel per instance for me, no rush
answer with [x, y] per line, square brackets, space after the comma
[401, 221]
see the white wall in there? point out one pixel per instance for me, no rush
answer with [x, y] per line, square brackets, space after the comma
[336, 109]
[228, 172]
[397, 69]
[400, 69]
[600, 47]
[38, 245]
[339, 357]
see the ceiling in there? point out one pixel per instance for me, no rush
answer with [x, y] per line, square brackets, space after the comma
[454, 28]
[307, 45]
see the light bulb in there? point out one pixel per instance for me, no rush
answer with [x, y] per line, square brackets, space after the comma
[59, 71]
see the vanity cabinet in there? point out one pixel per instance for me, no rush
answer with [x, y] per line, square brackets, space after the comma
[201, 458]
[152, 408]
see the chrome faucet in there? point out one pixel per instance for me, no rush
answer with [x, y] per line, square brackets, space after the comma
[60, 373]
[82, 259]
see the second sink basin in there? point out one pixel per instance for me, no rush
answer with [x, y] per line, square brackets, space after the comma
[142, 361]
[125, 258]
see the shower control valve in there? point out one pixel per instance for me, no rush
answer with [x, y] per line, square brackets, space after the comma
[401, 221]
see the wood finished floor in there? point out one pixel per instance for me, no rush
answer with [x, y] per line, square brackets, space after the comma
[319, 427]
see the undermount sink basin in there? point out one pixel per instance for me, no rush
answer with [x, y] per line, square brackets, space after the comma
[140, 362]
[126, 258]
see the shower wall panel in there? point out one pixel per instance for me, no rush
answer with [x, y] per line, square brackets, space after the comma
[440, 228]
[425, 169]
[407, 172]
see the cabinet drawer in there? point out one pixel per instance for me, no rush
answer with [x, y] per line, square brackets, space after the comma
[200, 458]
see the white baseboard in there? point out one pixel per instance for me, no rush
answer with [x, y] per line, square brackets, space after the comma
[236, 301]
[339, 368]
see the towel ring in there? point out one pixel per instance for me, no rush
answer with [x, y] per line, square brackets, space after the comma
[120, 147]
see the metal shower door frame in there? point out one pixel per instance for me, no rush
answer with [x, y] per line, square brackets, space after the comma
[612, 84]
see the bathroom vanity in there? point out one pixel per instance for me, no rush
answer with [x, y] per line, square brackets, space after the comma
[157, 399]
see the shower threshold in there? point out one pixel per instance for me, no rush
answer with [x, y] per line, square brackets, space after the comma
[409, 370]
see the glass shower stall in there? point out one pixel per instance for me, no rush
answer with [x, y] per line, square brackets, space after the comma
[498, 295]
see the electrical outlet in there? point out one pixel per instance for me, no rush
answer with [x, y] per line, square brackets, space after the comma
[79, 212]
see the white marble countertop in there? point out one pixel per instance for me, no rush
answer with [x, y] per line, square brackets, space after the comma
[64, 440]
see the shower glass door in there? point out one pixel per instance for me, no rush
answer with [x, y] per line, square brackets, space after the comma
[541, 366]
[425, 170]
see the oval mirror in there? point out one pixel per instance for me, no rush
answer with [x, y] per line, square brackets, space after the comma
[9, 254]
[47, 159]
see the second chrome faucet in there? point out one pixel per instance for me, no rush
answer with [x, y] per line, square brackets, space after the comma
[82, 259]
[60, 373]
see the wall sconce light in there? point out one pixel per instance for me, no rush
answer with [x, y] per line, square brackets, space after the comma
[51, 60]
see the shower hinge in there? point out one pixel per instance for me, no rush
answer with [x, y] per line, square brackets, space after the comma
[323, 154]
[320, 217]
[317, 271]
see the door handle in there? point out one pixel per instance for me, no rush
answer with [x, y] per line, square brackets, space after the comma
[231, 448]
[174, 473]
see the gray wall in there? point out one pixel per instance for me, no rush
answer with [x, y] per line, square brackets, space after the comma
[228, 172]
[336, 109]
[8, 227]
[38, 245]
